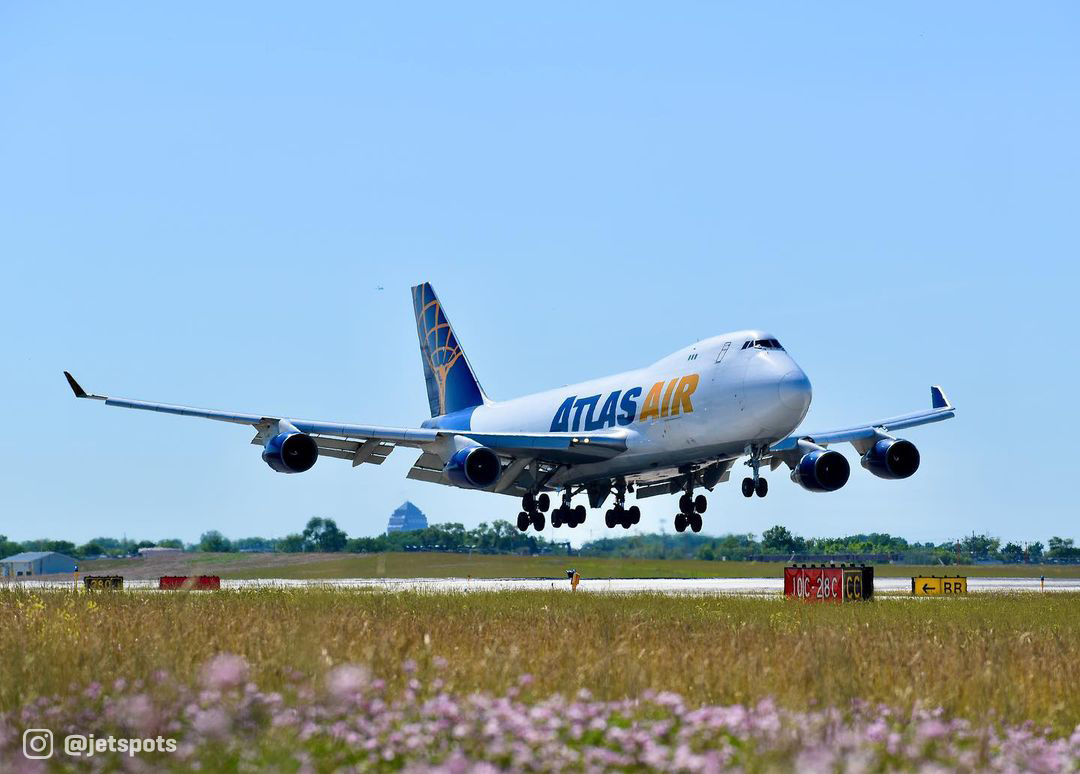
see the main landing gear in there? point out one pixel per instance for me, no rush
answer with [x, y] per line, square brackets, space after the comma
[690, 508]
[621, 515]
[565, 514]
[757, 484]
[533, 509]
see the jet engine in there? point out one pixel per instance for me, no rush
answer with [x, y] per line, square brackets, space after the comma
[891, 458]
[291, 452]
[821, 470]
[475, 467]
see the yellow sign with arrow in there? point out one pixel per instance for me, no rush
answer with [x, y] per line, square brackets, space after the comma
[933, 586]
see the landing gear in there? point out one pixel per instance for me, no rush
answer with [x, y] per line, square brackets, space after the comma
[533, 509]
[565, 514]
[691, 520]
[750, 487]
[529, 503]
[690, 508]
[620, 515]
[755, 484]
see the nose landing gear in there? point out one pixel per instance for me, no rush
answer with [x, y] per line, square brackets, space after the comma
[757, 484]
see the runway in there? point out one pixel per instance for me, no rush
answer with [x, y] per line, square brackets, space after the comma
[729, 586]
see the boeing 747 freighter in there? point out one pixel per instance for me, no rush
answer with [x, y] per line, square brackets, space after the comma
[676, 426]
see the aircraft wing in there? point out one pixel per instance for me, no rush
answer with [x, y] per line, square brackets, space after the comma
[863, 436]
[373, 443]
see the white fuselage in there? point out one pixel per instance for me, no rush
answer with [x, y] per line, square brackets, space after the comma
[710, 400]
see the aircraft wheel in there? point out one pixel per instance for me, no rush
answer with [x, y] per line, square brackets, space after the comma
[528, 503]
[609, 518]
[523, 521]
[686, 504]
[556, 519]
[635, 514]
[700, 503]
[538, 521]
[680, 522]
[748, 487]
[762, 487]
[543, 502]
[579, 514]
[695, 522]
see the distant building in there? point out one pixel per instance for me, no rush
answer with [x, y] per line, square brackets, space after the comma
[156, 551]
[406, 517]
[36, 563]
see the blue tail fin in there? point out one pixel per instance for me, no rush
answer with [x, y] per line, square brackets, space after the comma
[451, 384]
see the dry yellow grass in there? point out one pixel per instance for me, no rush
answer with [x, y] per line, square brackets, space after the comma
[1010, 657]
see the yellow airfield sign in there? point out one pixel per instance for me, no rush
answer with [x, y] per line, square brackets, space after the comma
[933, 586]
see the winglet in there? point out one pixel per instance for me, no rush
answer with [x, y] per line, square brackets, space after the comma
[78, 390]
[75, 388]
[938, 399]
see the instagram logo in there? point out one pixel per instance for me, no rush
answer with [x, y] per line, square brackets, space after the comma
[37, 743]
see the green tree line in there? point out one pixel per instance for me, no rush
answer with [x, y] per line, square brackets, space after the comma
[324, 535]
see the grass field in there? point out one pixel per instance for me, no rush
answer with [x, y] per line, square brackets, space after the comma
[330, 678]
[441, 565]
[1015, 656]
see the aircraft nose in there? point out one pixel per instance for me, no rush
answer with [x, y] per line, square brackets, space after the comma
[795, 391]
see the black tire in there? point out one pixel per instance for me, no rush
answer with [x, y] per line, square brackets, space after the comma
[538, 521]
[543, 502]
[695, 522]
[609, 518]
[528, 503]
[626, 523]
[579, 515]
[700, 503]
[634, 513]
[680, 522]
[523, 521]
[556, 519]
[686, 504]
[762, 487]
[748, 487]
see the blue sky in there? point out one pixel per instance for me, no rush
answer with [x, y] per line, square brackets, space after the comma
[199, 202]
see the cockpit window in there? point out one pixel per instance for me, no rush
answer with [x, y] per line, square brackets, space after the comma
[763, 344]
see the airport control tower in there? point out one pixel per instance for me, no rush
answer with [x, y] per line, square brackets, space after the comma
[406, 517]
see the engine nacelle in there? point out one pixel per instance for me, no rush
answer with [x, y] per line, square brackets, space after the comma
[821, 470]
[476, 467]
[291, 452]
[892, 458]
